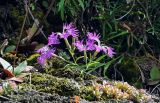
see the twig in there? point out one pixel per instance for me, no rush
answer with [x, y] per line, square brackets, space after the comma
[141, 72]
[49, 9]
[127, 12]
[21, 32]
[33, 18]
[115, 69]
[4, 98]
[145, 9]
[155, 88]
[30, 80]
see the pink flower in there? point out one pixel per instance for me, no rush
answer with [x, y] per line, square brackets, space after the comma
[98, 48]
[90, 45]
[93, 36]
[64, 35]
[41, 59]
[53, 39]
[43, 49]
[49, 53]
[80, 46]
[44, 56]
[110, 52]
[69, 30]
[105, 49]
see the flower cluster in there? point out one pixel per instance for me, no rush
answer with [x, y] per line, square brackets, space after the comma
[119, 90]
[91, 43]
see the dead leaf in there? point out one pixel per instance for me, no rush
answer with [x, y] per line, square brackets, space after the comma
[22, 75]
[124, 25]
[8, 73]
[33, 30]
[3, 45]
[16, 79]
[28, 69]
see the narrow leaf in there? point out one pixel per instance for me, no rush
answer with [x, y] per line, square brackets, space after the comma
[79, 58]
[3, 45]
[100, 58]
[81, 4]
[92, 64]
[45, 4]
[120, 34]
[10, 48]
[21, 67]
[16, 79]
[32, 31]
[61, 5]
[108, 64]
[97, 66]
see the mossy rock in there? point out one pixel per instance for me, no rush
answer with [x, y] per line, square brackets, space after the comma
[69, 88]
[51, 84]
[32, 96]
[70, 81]
[74, 73]
[61, 86]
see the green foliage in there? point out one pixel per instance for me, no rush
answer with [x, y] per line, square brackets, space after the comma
[45, 3]
[10, 48]
[21, 67]
[129, 25]
[155, 73]
[17, 70]
[6, 65]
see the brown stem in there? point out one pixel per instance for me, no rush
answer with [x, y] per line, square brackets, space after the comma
[49, 9]
[21, 32]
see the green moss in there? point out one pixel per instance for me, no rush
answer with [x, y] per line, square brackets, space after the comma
[50, 84]
[87, 93]
[62, 86]
[57, 69]
[129, 70]
[115, 90]
[26, 85]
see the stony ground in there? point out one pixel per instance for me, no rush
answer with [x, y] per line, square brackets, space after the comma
[32, 96]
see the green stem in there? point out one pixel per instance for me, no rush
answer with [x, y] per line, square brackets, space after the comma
[73, 41]
[85, 57]
[70, 49]
[67, 44]
[72, 55]
[95, 54]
